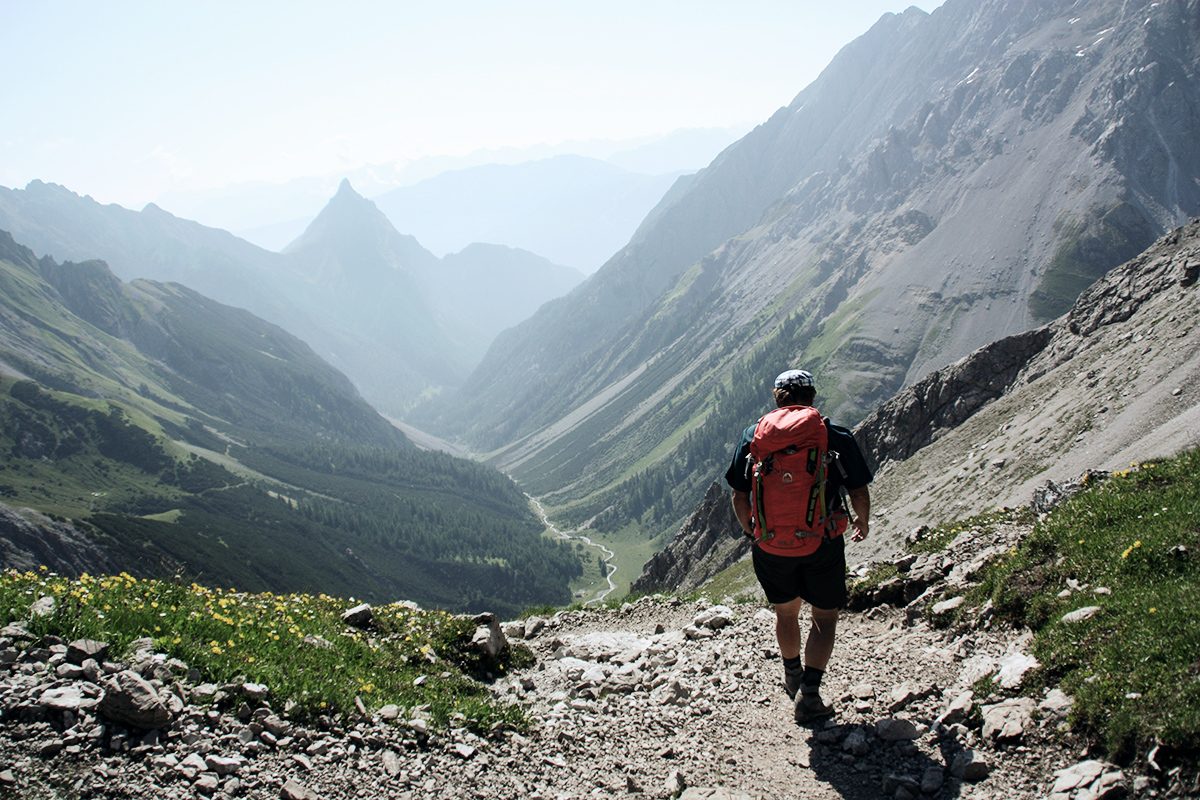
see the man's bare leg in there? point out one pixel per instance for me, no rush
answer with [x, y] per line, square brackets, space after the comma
[787, 628]
[821, 634]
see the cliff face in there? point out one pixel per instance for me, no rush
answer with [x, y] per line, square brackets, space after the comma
[708, 542]
[29, 540]
[946, 398]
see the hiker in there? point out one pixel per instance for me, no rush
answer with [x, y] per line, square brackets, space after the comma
[799, 553]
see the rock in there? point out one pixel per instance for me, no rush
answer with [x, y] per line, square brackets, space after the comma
[224, 765]
[958, 709]
[705, 793]
[714, 618]
[255, 692]
[675, 784]
[863, 691]
[1056, 703]
[900, 786]
[1090, 780]
[856, 743]
[293, 790]
[1080, 614]
[43, 607]
[932, 780]
[1007, 720]
[391, 762]
[896, 730]
[969, 766]
[534, 626]
[313, 640]
[360, 616]
[68, 698]
[464, 751]
[207, 783]
[489, 640]
[131, 700]
[906, 693]
[946, 606]
[1013, 669]
[81, 650]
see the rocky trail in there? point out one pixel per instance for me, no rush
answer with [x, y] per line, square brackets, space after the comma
[658, 698]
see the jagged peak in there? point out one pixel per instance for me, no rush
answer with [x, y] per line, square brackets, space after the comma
[345, 191]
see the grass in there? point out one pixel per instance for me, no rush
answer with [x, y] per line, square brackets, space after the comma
[1134, 667]
[736, 582]
[295, 644]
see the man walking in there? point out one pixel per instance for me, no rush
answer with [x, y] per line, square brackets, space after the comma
[788, 474]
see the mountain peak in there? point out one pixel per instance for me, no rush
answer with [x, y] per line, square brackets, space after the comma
[347, 216]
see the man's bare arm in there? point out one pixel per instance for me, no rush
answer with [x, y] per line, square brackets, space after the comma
[741, 508]
[860, 501]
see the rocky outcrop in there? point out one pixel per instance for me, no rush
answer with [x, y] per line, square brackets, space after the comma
[708, 542]
[29, 539]
[946, 398]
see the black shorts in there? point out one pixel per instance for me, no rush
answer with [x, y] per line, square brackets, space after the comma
[818, 579]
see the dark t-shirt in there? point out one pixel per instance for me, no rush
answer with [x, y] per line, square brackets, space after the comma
[740, 476]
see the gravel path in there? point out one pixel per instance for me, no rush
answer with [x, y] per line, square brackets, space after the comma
[659, 698]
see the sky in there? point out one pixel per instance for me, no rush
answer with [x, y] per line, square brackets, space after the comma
[128, 101]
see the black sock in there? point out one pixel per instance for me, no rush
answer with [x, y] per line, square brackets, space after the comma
[810, 683]
[793, 664]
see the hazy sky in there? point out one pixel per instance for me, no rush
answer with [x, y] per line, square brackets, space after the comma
[128, 100]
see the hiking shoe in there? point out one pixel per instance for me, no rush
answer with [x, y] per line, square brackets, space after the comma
[791, 681]
[811, 707]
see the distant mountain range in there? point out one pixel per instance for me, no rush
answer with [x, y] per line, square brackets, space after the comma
[379, 307]
[949, 179]
[186, 437]
[598, 190]
[572, 210]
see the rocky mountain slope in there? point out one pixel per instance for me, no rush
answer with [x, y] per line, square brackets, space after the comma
[1115, 383]
[948, 180]
[1111, 382]
[369, 300]
[660, 699]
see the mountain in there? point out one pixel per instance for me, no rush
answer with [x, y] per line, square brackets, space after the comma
[369, 281]
[272, 215]
[166, 433]
[949, 179]
[1112, 382]
[368, 299]
[507, 285]
[573, 210]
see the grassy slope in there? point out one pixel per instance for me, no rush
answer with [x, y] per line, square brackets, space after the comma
[327, 496]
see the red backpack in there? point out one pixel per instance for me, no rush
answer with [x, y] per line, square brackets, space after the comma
[790, 452]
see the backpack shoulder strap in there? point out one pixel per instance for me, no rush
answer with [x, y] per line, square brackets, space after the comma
[834, 455]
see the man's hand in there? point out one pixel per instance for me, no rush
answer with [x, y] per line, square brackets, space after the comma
[861, 528]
